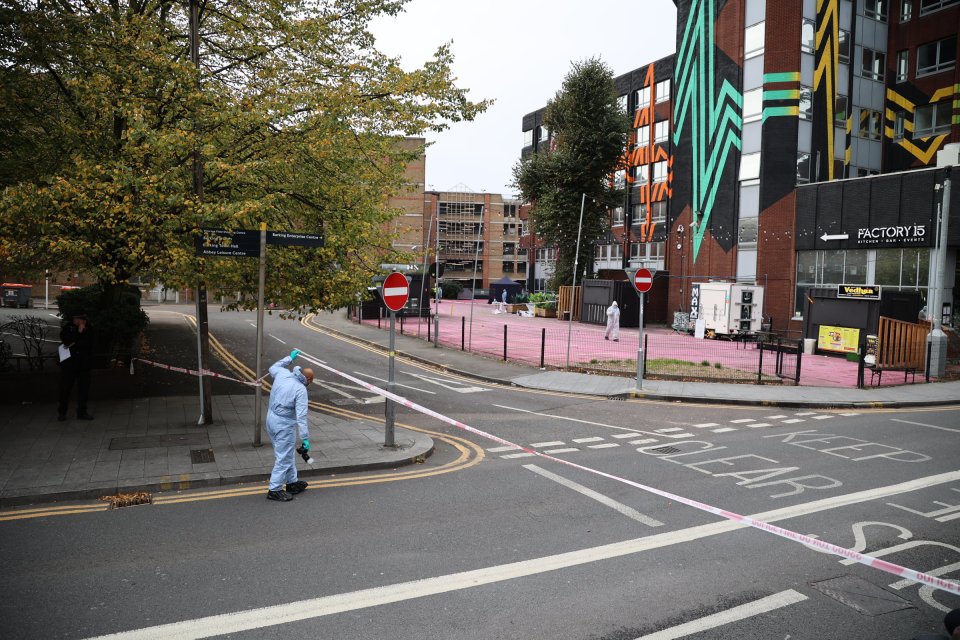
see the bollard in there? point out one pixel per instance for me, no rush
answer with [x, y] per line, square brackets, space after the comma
[760, 367]
[543, 344]
[428, 329]
[504, 343]
[463, 333]
[401, 325]
[799, 357]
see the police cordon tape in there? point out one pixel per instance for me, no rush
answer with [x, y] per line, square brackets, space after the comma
[813, 543]
[194, 372]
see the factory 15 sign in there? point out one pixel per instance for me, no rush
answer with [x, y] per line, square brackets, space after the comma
[893, 235]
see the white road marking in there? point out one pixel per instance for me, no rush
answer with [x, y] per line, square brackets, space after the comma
[758, 425]
[607, 445]
[599, 497]
[849, 414]
[793, 421]
[805, 413]
[780, 417]
[668, 430]
[500, 449]
[517, 455]
[744, 611]
[555, 417]
[742, 420]
[276, 338]
[625, 435]
[384, 380]
[447, 384]
[263, 617]
[551, 443]
[929, 426]
[644, 441]
[704, 425]
[252, 324]
[566, 450]
[723, 430]
[331, 386]
[822, 417]
[582, 440]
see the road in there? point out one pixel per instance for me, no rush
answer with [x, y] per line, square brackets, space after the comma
[521, 546]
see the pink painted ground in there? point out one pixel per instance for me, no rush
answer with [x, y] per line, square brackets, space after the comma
[484, 333]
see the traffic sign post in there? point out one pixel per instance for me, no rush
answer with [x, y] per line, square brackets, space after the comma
[642, 281]
[396, 291]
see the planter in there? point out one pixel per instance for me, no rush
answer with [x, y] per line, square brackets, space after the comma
[541, 312]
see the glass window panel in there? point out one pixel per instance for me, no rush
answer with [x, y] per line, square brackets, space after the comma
[888, 267]
[753, 39]
[840, 109]
[748, 231]
[843, 45]
[903, 65]
[643, 136]
[662, 91]
[832, 267]
[806, 102]
[855, 267]
[749, 166]
[643, 97]
[906, 10]
[923, 276]
[807, 267]
[807, 31]
[752, 104]
[909, 268]
[803, 167]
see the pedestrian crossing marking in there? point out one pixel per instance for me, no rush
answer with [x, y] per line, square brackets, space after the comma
[568, 450]
[625, 435]
[742, 420]
[669, 430]
[501, 449]
[704, 425]
[552, 443]
[583, 440]
[606, 445]
[805, 413]
[517, 455]
[793, 421]
[757, 425]
[776, 417]
[644, 441]
[723, 430]
[822, 417]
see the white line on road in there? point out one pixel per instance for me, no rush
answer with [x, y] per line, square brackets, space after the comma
[599, 497]
[742, 420]
[550, 415]
[626, 435]
[776, 417]
[552, 443]
[805, 413]
[567, 450]
[669, 430]
[822, 417]
[367, 375]
[261, 618]
[704, 425]
[501, 449]
[758, 425]
[644, 441]
[276, 338]
[930, 426]
[583, 440]
[606, 445]
[517, 455]
[793, 421]
[744, 611]
[723, 430]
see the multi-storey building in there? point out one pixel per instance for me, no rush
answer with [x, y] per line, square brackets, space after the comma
[478, 236]
[791, 143]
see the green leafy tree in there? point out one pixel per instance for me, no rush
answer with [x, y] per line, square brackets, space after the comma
[589, 131]
[297, 118]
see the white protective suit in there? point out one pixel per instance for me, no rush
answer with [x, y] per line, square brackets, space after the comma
[613, 322]
[287, 411]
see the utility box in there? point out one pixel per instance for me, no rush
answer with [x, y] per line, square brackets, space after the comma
[727, 308]
[16, 295]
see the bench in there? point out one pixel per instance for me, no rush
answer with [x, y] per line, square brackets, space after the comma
[877, 370]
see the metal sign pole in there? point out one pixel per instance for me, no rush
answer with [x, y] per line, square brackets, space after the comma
[389, 408]
[258, 397]
[640, 348]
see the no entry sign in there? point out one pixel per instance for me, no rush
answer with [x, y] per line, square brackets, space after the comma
[396, 290]
[643, 280]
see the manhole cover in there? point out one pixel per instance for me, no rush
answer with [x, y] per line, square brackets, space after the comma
[865, 597]
[199, 456]
[665, 450]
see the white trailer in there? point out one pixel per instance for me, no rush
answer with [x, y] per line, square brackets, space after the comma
[727, 308]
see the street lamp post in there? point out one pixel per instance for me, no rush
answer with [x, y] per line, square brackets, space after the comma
[937, 338]
[573, 290]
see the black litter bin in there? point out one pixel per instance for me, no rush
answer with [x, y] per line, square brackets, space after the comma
[16, 295]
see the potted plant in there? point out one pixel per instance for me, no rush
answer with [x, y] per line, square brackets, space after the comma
[546, 304]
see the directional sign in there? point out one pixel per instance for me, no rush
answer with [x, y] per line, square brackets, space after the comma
[837, 236]
[396, 290]
[643, 280]
[220, 242]
[294, 239]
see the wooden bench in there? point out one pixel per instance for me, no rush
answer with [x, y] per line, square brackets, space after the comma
[877, 370]
[901, 346]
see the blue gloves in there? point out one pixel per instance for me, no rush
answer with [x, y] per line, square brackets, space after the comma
[306, 444]
[294, 354]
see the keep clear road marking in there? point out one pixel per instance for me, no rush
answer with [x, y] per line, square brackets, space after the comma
[367, 375]
[930, 426]
[599, 497]
[263, 617]
[744, 611]
[446, 384]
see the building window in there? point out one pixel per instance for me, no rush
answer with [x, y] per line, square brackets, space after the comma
[806, 102]
[752, 104]
[643, 136]
[641, 174]
[747, 233]
[899, 118]
[807, 35]
[660, 171]
[803, 167]
[616, 216]
[638, 214]
[840, 109]
[622, 102]
[509, 248]
[508, 267]
[906, 10]
[619, 179]
[843, 46]
[753, 40]
[870, 123]
[749, 166]
[873, 64]
[938, 56]
[661, 131]
[662, 91]
[929, 6]
[932, 119]
[658, 211]
[643, 97]
[903, 65]
[528, 138]
[876, 9]
[544, 134]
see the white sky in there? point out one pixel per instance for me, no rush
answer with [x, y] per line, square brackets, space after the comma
[517, 52]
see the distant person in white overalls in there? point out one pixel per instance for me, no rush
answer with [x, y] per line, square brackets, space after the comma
[613, 323]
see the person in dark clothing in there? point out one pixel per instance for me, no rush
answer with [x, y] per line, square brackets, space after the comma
[77, 336]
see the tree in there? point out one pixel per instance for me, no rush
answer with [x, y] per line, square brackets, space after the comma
[294, 112]
[589, 131]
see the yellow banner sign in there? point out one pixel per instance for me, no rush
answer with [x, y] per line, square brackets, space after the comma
[839, 339]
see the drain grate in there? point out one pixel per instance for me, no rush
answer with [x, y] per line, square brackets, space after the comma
[861, 595]
[665, 450]
[200, 456]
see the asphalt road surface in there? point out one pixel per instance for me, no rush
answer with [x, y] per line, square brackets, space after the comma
[512, 545]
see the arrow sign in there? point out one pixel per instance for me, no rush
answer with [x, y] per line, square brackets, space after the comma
[643, 280]
[837, 236]
[396, 290]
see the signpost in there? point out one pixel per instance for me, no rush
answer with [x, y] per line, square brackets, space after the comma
[396, 291]
[642, 282]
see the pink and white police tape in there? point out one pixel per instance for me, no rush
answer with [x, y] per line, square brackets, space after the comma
[194, 372]
[813, 543]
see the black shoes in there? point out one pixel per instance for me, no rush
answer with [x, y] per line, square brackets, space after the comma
[296, 487]
[280, 496]
[84, 416]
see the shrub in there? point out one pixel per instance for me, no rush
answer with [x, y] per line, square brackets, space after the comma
[114, 315]
[545, 300]
[450, 290]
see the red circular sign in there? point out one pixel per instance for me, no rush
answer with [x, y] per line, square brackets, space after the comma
[396, 290]
[643, 280]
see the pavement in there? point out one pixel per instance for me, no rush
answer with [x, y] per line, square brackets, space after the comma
[155, 444]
